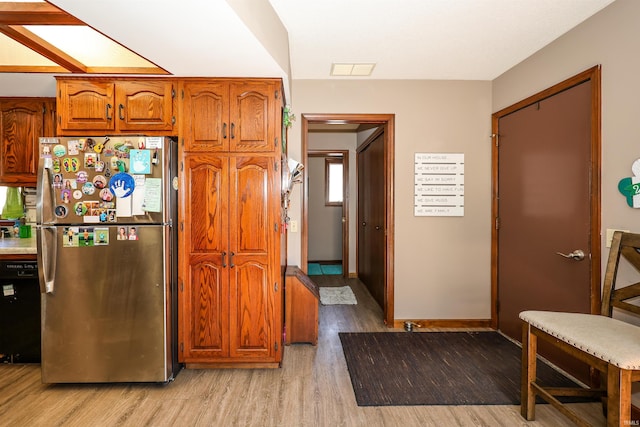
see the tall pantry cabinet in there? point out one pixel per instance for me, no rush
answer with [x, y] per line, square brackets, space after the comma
[231, 296]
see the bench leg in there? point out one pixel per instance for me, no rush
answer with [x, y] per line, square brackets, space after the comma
[529, 351]
[618, 396]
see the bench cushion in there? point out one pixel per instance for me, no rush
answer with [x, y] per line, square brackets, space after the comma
[614, 341]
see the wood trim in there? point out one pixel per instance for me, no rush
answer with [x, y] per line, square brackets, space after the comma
[19, 257]
[35, 14]
[445, 323]
[593, 74]
[388, 121]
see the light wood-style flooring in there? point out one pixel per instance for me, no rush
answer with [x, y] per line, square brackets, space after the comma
[312, 388]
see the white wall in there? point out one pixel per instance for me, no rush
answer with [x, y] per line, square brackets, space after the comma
[442, 265]
[325, 222]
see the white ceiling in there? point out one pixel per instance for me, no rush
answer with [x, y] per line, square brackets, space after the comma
[425, 39]
[406, 39]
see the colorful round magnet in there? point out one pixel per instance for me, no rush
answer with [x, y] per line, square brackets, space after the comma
[88, 188]
[80, 209]
[59, 150]
[122, 185]
[77, 194]
[106, 195]
[60, 211]
[99, 181]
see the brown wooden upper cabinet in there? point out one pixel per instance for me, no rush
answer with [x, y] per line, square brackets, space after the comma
[227, 115]
[122, 106]
[22, 122]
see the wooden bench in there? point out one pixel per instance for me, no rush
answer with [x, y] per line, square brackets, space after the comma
[609, 345]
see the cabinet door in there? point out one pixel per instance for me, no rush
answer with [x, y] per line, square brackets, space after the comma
[253, 117]
[144, 105]
[254, 240]
[22, 122]
[204, 299]
[205, 116]
[85, 105]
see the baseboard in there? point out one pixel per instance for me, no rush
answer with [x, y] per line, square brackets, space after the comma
[444, 323]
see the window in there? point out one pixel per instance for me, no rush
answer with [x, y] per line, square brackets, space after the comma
[333, 172]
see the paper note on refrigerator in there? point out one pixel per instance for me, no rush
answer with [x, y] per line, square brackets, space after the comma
[137, 198]
[123, 207]
[153, 195]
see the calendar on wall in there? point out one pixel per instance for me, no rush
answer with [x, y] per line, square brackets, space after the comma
[439, 184]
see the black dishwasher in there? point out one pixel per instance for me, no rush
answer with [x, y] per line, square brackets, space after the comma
[19, 312]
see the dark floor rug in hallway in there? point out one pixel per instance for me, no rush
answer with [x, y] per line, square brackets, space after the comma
[437, 368]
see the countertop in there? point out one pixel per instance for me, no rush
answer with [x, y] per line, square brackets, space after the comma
[18, 246]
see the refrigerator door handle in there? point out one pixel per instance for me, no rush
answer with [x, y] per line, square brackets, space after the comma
[44, 192]
[46, 257]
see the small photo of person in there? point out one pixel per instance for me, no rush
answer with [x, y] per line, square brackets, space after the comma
[122, 233]
[65, 196]
[86, 237]
[57, 180]
[133, 235]
[71, 239]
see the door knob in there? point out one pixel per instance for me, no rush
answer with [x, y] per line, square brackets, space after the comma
[577, 255]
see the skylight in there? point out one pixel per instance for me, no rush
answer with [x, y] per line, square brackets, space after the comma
[37, 37]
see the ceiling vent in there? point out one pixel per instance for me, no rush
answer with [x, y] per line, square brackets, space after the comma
[358, 70]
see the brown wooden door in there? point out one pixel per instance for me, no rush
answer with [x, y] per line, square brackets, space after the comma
[144, 105]
[254, 239]
[544, 199]
[204, 118]
[204, 299]
[22, 122]
[86, 105]
[252, 124]
[371, 218]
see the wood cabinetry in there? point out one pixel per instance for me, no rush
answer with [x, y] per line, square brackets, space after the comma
[110, 106]
[302, 297]
[22, 122]
[231, 296]
[241, 116]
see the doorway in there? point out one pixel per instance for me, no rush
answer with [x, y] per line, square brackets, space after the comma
[328, 216]
[385, 121]
[546, 206]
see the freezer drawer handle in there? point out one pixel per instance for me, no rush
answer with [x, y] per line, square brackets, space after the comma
[46, 258]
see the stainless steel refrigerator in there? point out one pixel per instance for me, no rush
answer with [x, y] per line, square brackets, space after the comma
[107, 248]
